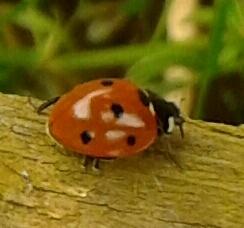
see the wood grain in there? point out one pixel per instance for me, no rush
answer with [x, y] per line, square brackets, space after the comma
[41, 185]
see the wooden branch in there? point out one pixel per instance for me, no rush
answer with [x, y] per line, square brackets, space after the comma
[42, 186]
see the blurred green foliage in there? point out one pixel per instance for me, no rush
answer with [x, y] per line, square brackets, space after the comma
[134, 7]
[48, 46]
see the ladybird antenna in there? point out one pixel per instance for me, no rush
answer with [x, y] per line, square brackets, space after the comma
[182, 100]
[47, 104]
[181, 130]
[181, 120]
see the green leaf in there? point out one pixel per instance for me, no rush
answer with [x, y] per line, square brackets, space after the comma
[152, 65]
[134, 7]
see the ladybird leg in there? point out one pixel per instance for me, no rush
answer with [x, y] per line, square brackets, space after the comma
[85, 161]
[160, 129]
[91, 160]
[95, 164]
[179, 121]
[47, 104]
[170, 157]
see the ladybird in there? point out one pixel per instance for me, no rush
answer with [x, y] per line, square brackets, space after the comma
[110, 118]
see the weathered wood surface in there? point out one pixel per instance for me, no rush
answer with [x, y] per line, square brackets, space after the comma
[41, 186]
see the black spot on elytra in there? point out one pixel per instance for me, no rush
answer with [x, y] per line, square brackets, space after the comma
[131, 140]
[107, 82]
[143, 97]
[117, 110]
[85, 137]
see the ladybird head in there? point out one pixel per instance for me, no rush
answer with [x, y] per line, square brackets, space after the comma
[173, 118]
[168, 114]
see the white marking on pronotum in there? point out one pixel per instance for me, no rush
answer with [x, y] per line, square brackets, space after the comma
[82, 109]
[151, 108]
[107, 116]
[171, 123]
[130, 120]
[115, 134]
[145, 92]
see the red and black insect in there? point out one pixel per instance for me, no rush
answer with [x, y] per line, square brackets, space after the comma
[110, 118]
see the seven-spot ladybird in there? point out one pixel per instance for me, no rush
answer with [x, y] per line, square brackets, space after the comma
[110, 118]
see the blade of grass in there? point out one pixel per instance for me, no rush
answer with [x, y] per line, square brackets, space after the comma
[152, 65]
[13, 58]
[215, 47]
[160, 29]
[116, 56]
[120, 56]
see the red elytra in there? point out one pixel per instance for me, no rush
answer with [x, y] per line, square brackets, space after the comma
[103, 118]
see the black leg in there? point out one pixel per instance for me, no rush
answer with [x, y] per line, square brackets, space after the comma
[160, 129]
[85, 161]
[171, 157]
[95, 164]
[91, 160]
[179, 121]
[47, 104]
[181, 131]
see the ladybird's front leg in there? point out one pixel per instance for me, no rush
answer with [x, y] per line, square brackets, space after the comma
[179, 121]
[160, 129]
[171, 157]
[167, 153]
